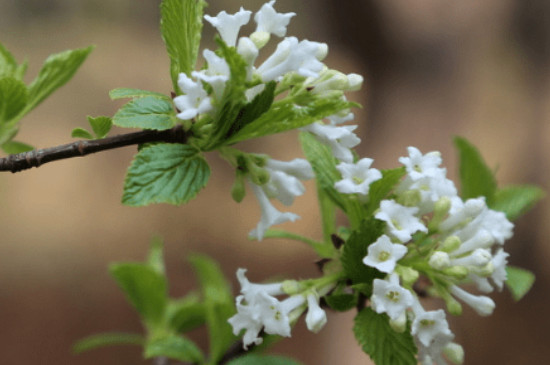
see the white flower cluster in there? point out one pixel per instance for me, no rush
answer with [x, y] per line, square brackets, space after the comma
[258, 309]
[463, 244]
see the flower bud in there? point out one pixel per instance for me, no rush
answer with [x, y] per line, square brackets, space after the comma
[439, 260]
[238, 190]
[450, 244]
[454, 352]
[316, 318]
[260, 39]
[408, 275]
[459, 272]
[399, 325]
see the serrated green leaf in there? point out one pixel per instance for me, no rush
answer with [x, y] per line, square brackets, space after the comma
[341, 302]
[100, 125]
[219, 305]
[519, 281]
[165, 173]
[13, 98]
[147, 113]
[380, 189]
[174, 347]
[107, 339]
[125, 93]
[186, 314]
[253, 359]
[81, 133]
[144, 288]
[355, 249]
[286, 115]
[476, 179]
[13, 147]
[56, 71]
[381, 342]
[181, 27]
[514, 201]
[7, 62]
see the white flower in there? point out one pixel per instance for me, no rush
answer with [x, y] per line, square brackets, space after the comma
[293, 56]
[441, 344]
[419, 166]
[250, 290]
[284, 183]
[462, 212]
[497, 225]
[429, 325]
[216, 74]
[401, 221]
[341, 118]
[340, 139]
[483, 305]
[389, 297]
[499, 265]
[316, 318]
[249, 52]
[195, 99]
[431, 188]
[270, 215]
[270, 21]
[357, 177]
[383, 254]
[229, 25]
[246, 318]
[478, 258]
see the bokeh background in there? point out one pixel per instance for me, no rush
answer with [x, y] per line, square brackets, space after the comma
[433, 69]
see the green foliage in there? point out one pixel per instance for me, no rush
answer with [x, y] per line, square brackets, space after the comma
[321, 248]
[355, 249]
[107, 339]
[165, 173]
[476, 179]
[381, 342]
[181, 27]
[519, 281]
[148, 112]
[100, 127]
[81, 133]
[186, 313]
[380, 189]
[125, 93]
[9, 66]
[253, 359]
[219, 305]
[341, 301]
[13, 147]
[145, 289]
[174, 347]
[13, 98]
[515, 201]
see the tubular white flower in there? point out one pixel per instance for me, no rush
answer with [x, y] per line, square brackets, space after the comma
[383, 254]
[270, 215]
[250, 290]
[499, 264]
[429, 325]
[341, 118]
[228, 25]
[216, 74]
[316, 318]
[356, 178]
[483, 305]
[429, 355]
[284, 183]
[195, 100]
[340, 139]
[419, 166]
[249, 52]
[247, 318]
[478, 258]
[275, 317]
[401, 220]
[390, 298]
[462, 212]
[270, 21]
[298, 167]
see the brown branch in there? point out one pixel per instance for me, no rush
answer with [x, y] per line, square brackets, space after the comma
[36, 158]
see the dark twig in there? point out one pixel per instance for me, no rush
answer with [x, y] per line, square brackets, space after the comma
[36, 158]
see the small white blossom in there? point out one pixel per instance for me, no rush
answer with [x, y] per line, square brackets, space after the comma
[249, 52]
[433, 354]
[419, 166]
[216, 74]
[383, 254]
[478, 258]
[339, 139]
[284, 183]
[356, 178]
[316, 318]
[195, 100]
[499, 265]
[270, 215]
[228, 25]
[390, 297]
[429, 325]
[341, 118]
[270, 21]
[401, 220]
[483, 305]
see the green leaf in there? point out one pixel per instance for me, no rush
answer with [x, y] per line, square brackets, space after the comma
[165, 173]
[381, 342]
[100, 125]
[56, 71]
[147, 113]
[107, 339]
[253, 359]
[186, 314]
[380, 189]
[355, 249]
[286, 115]
[219, 305]
[519, 281]
[174, 347]
[181, 27]
[341, 302]
[13, 98]
[515, 201]
[123, 93]
[81, 133]
[476, 178]
[144, 288]
[13, 147]
[7, 62]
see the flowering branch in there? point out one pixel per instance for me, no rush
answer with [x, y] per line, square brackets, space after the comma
[35, 158]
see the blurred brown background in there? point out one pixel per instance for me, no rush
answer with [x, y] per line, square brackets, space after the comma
[434, 69]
